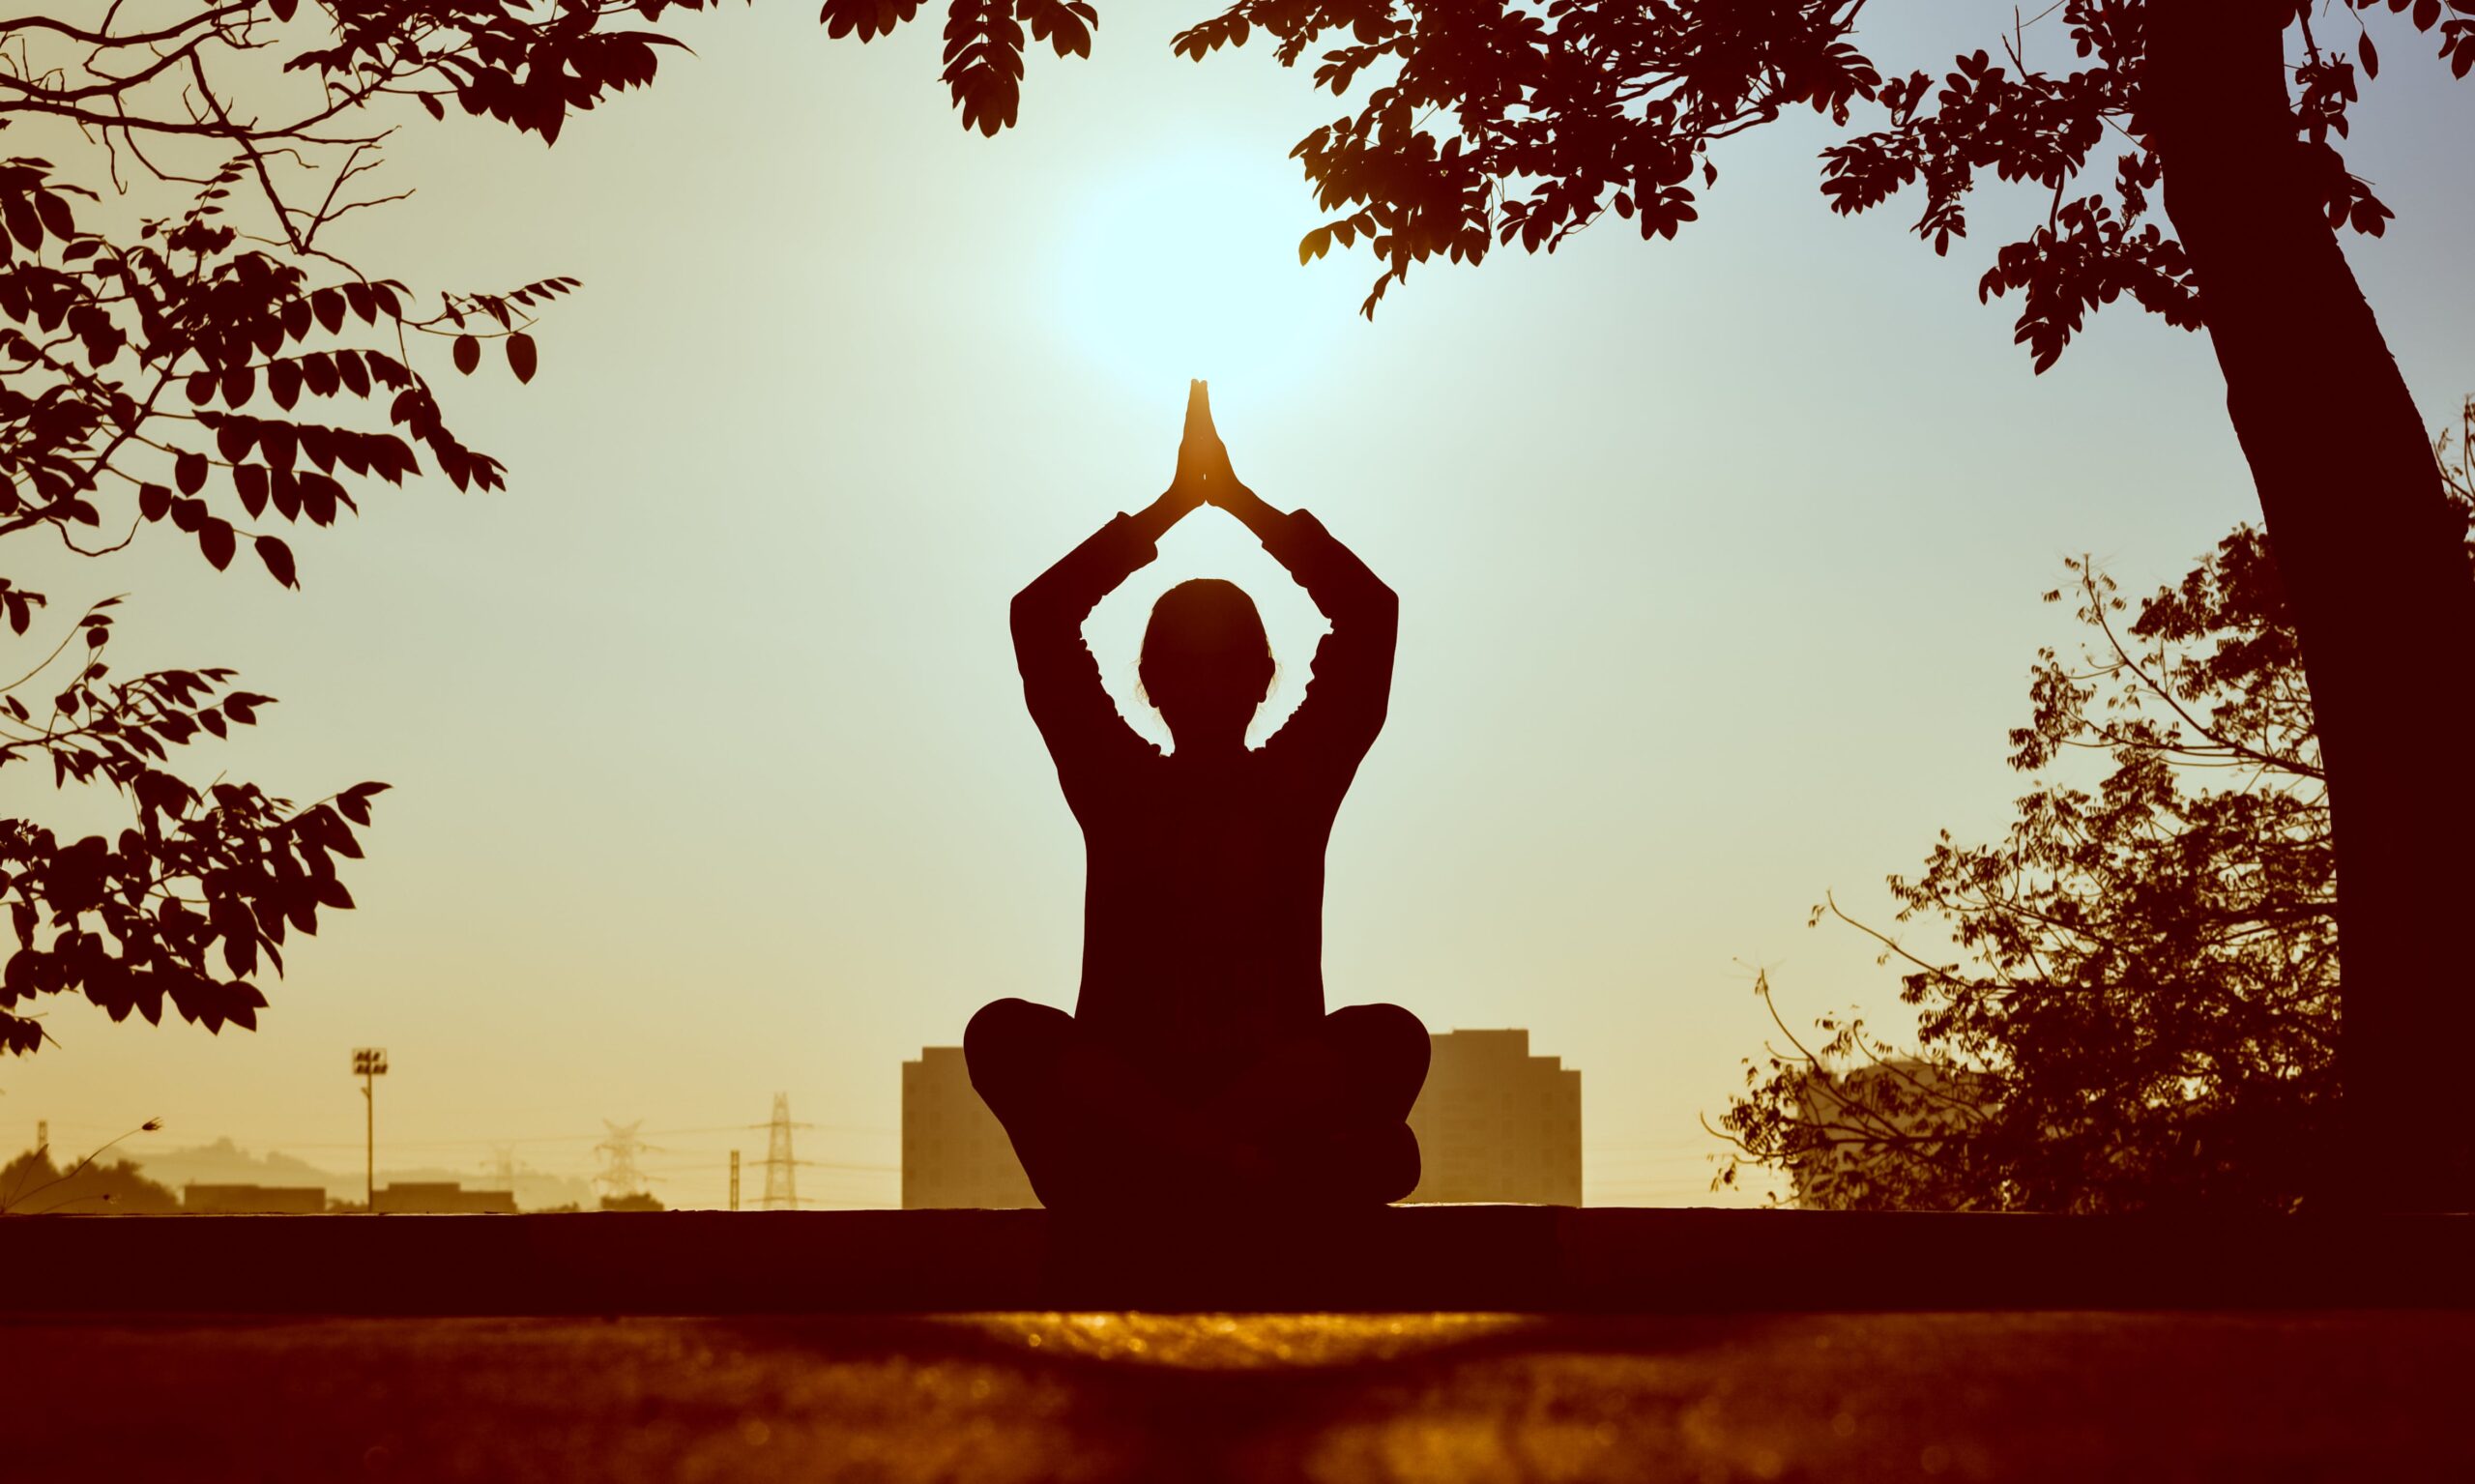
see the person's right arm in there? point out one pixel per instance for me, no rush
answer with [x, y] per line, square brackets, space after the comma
[1060, 680]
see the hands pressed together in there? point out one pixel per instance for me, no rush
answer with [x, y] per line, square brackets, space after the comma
[1205, 477]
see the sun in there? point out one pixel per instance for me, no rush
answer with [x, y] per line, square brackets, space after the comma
[1184, 264]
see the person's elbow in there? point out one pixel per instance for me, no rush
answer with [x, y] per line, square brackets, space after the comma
[1381, 604]
[1364, 608]
[1025, 614]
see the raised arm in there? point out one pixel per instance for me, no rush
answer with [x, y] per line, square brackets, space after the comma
[1060, 680]
[1351, 688]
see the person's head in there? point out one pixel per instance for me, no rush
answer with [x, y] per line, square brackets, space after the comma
[1206, 662]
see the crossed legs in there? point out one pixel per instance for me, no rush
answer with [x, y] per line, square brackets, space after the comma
[1319, 1118]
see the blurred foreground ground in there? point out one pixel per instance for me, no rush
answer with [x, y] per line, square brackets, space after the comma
[1196, 1399]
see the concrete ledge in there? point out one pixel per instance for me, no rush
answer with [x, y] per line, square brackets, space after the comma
[1537, 1258]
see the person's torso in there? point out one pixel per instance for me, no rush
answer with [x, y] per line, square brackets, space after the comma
[1203, 910]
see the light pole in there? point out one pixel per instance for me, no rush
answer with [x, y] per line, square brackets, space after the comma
[369, 1063]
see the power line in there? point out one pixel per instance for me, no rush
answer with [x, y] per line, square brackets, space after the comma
[829, 1166]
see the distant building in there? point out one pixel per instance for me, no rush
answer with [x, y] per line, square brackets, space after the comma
[1496, 1124]
[442, 1198]
[254, 1200]
[954, 1152]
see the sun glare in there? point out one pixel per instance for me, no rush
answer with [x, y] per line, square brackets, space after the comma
[1184, 264]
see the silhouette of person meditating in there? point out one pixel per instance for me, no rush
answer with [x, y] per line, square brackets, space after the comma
[1199, 1065]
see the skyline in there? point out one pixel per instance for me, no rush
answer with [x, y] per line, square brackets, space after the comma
[1627, 815]
[568, 1161]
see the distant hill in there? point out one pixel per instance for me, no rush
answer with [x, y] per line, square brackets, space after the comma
[226, 1163]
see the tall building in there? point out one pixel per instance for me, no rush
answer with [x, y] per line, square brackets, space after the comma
[1496, 1124]
[954, 1152]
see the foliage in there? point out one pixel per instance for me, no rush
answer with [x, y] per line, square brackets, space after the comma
[32, 1184]
[1545, 120]
[2147, 1010]
[197, 359]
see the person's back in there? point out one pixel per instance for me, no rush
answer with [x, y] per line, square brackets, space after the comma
[1215, 959]
[1202, 987]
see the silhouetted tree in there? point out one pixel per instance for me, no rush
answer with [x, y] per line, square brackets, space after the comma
[2147, 1014]
[33, 1184]
[1490, 124]
[180, 348]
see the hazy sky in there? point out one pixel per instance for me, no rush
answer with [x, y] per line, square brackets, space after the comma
[1719, 563]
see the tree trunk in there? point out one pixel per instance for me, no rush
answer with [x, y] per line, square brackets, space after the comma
[2377, 576]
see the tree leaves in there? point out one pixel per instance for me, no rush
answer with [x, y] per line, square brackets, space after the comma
[1537, 130]
[868, 18]
[2146, 1008]
[526, 73]
[17, 213]
[216, 539]
[983, 57]
[278, 558]
[126, 932]
[1064, 24]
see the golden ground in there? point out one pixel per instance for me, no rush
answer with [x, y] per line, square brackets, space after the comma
[1330, 1399]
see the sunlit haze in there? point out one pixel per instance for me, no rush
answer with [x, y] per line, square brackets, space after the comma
[1182, 262]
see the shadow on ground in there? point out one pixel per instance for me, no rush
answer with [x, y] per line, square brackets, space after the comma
[1204, 1398]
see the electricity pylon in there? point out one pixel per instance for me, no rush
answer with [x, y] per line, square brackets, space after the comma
[781, 1171]
[621, 1177]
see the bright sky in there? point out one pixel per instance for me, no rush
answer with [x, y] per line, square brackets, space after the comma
[1719, 563]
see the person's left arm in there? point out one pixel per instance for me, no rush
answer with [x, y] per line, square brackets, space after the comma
[1351, 688]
